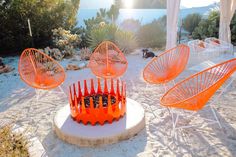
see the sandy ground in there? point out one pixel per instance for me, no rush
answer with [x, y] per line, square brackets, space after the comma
[17, 102]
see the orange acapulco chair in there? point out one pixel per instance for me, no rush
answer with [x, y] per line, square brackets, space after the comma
[40, 71]
[193, 93]
[108, 61]
[167, 66]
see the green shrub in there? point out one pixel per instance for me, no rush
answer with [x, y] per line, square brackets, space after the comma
[208, 27]
[96, 37]
[126, 41]
[12, 144]
[113, 13]
[152, 35]
[233, 29]
[191, 22]
[103, 16]
[65, 41]
[44, 16]
[102, 33]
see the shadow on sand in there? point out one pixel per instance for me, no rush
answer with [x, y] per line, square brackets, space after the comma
[58, 148]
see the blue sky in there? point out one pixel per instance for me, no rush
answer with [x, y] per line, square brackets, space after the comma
[95, 4]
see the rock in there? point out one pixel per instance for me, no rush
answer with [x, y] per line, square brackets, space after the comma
[5, 69]
[1, 61]
[72, 67]
[81, 65]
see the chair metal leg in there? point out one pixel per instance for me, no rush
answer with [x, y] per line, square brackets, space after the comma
[37, 92]
[174, 122]
[173, 82]
[62, 91]
[165, 87]
[217, 119]
[175, 116]
[223, 90]
[58, 92]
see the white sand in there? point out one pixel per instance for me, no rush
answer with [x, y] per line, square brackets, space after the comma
[17, 102]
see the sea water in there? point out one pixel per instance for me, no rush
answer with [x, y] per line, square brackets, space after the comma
[143, 15]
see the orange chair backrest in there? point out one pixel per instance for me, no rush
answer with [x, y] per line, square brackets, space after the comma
[39, 70]
[167, 65]
[107, 61]
[195, 91]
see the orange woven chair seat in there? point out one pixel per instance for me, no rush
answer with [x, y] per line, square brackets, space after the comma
[107, 61]
[39, 70]
[194, 92]
[167, 65]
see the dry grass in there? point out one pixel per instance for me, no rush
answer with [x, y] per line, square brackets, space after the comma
[12, 144]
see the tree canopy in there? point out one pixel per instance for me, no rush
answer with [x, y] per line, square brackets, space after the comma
[209, 27]
[191, 21]
[43, 15]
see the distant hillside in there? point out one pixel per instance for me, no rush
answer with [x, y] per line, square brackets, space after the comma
[200, 10]
[153, 4]
[144, 4]
[144, 15]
